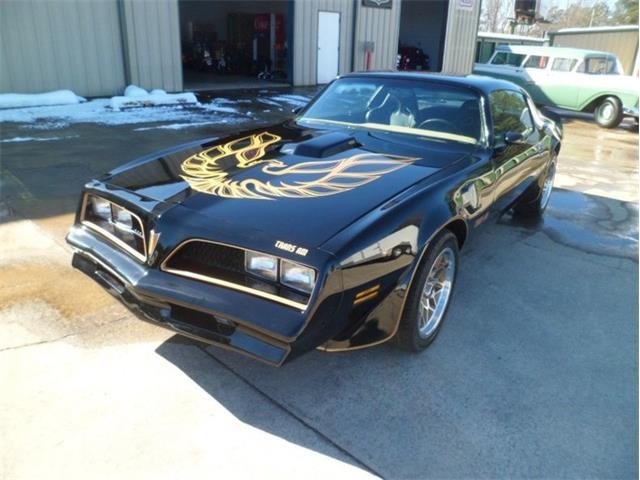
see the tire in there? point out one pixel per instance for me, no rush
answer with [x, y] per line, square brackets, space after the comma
[608, 113]
[415, 333]
[536, 208]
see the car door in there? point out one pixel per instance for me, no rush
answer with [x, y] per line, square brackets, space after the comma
[560, 85]
[519, 147]
[596, 75]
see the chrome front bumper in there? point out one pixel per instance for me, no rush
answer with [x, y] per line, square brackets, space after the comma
[630, 111]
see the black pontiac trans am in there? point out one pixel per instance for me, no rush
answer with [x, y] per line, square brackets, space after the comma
[338, 229]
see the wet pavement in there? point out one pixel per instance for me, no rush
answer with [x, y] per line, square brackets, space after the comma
[535, 374]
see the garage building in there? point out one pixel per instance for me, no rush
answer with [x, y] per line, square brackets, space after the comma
[97, 48]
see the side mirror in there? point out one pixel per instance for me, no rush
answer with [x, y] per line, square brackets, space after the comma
[296, 110]
[511, 138]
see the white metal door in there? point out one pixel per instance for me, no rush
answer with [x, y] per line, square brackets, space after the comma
[328, 46]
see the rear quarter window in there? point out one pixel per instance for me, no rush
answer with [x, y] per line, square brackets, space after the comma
[599, 66]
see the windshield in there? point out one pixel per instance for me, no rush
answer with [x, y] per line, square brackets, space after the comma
[508, 58]
[411, 107]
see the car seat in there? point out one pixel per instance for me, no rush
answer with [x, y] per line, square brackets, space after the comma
[407, 114]
[382, 113]
[391, 112]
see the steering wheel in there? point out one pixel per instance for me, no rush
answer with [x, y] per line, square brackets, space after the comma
[449, 127]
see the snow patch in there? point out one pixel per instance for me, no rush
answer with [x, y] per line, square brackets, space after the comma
[58, 97]
[295, 100]
[216, 107]
[177, 115]
[222, 100]
[135, 96]
[266, 101]
[178, 126]
[35, 139]
[100, 112]
[134, 91]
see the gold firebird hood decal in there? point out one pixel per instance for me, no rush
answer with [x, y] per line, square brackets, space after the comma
[207, 171]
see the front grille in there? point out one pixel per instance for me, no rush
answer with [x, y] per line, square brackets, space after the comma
[210, 259]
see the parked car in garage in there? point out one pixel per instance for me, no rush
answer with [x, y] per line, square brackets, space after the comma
[412, 58]
[338, 229]
[575, 79]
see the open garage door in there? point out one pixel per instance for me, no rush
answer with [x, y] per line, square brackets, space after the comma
[422, 34]
[235, 44]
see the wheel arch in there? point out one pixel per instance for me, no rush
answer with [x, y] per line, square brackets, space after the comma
[397, 303]
[591, 105]
[460, 229]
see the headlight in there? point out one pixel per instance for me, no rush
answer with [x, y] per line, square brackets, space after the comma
[117, 223]
[122, 218]
[297, 276]
[101, 208]
[265, 266]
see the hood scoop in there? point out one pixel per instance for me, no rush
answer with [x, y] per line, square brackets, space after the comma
[326, 145]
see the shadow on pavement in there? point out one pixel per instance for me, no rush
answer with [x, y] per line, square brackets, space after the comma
[534, 374]
[177, 350]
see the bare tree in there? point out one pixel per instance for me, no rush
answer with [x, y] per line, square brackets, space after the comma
[495, 14]
[580, 13]
[626, 12]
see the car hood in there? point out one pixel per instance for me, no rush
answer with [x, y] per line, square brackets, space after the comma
[300, 185]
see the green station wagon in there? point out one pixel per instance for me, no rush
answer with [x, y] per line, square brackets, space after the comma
[571, 78]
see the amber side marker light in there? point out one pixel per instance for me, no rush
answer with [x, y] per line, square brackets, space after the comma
[367, 294]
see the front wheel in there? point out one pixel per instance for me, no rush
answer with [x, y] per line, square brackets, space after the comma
[430, 294]
[608, 113]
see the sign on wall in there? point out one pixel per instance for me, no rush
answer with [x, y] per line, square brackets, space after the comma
[377, 3]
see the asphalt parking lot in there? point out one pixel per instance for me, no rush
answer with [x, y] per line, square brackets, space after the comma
[534, 375]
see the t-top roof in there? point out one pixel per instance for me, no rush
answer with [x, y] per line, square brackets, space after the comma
[476, 82]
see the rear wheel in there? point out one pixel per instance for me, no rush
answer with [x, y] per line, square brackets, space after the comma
[537, 207]
[430, 294]
[608, 113]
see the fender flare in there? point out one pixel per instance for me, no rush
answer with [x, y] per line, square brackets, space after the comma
[458, 220]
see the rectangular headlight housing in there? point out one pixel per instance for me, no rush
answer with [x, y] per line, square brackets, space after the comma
[118, 224]
[297, 276]
[261, 264]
